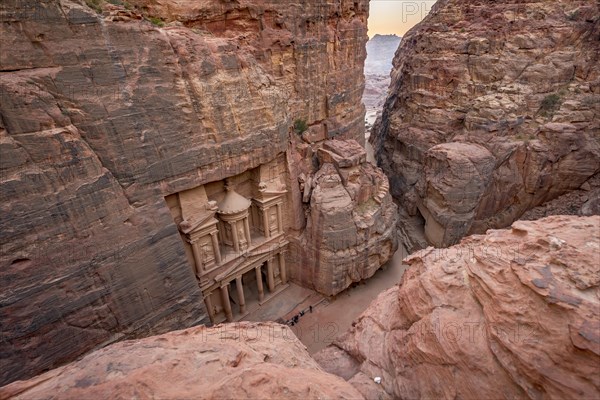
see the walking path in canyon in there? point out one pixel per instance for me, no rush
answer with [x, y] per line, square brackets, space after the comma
[329, 317]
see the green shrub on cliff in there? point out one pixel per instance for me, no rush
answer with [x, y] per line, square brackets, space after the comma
[95, 5]
[300, 126]
[156, 21]
[550, 105]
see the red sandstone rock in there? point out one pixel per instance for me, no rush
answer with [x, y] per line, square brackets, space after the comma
[521, 80]
[351, 220]
[512, 314]
[584, 202]
[232, 361]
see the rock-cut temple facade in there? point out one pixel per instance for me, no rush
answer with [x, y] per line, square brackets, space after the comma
[233, 234]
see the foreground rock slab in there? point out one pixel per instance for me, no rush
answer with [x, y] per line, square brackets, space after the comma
[232, 361]
[512, 314]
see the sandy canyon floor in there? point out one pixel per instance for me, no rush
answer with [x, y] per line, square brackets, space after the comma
[329, 317]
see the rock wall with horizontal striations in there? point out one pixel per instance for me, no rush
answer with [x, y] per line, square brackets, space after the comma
[313, 51]
[513, 314]
[493, 110]
[106, 112]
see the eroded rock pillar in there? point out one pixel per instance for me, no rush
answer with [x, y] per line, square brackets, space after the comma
[259, 284]
[226, 303]
[234, 233]
[197, 258]
[215, 243]
[270, 277]
[279, 218]
[247, 228]
[266, 223]
[240, 289]
[209, 307]
[282, 271]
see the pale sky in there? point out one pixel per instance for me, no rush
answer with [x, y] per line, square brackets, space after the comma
[396, 16]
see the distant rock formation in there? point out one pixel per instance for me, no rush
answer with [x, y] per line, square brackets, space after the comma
[378, 65]
[493, 110]
[514, 314]
[380, 54]
[115, 117]
[233, 361]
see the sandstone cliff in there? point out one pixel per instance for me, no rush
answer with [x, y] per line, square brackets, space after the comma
[512, 314]
[493, 109]
[351, 219]
[233, 361]
[107, 112]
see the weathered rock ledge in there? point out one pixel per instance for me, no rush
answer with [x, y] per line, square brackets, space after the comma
[511, 314]
[230, 361]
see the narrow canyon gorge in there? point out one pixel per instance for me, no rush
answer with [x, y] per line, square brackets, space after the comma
[172, 168]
